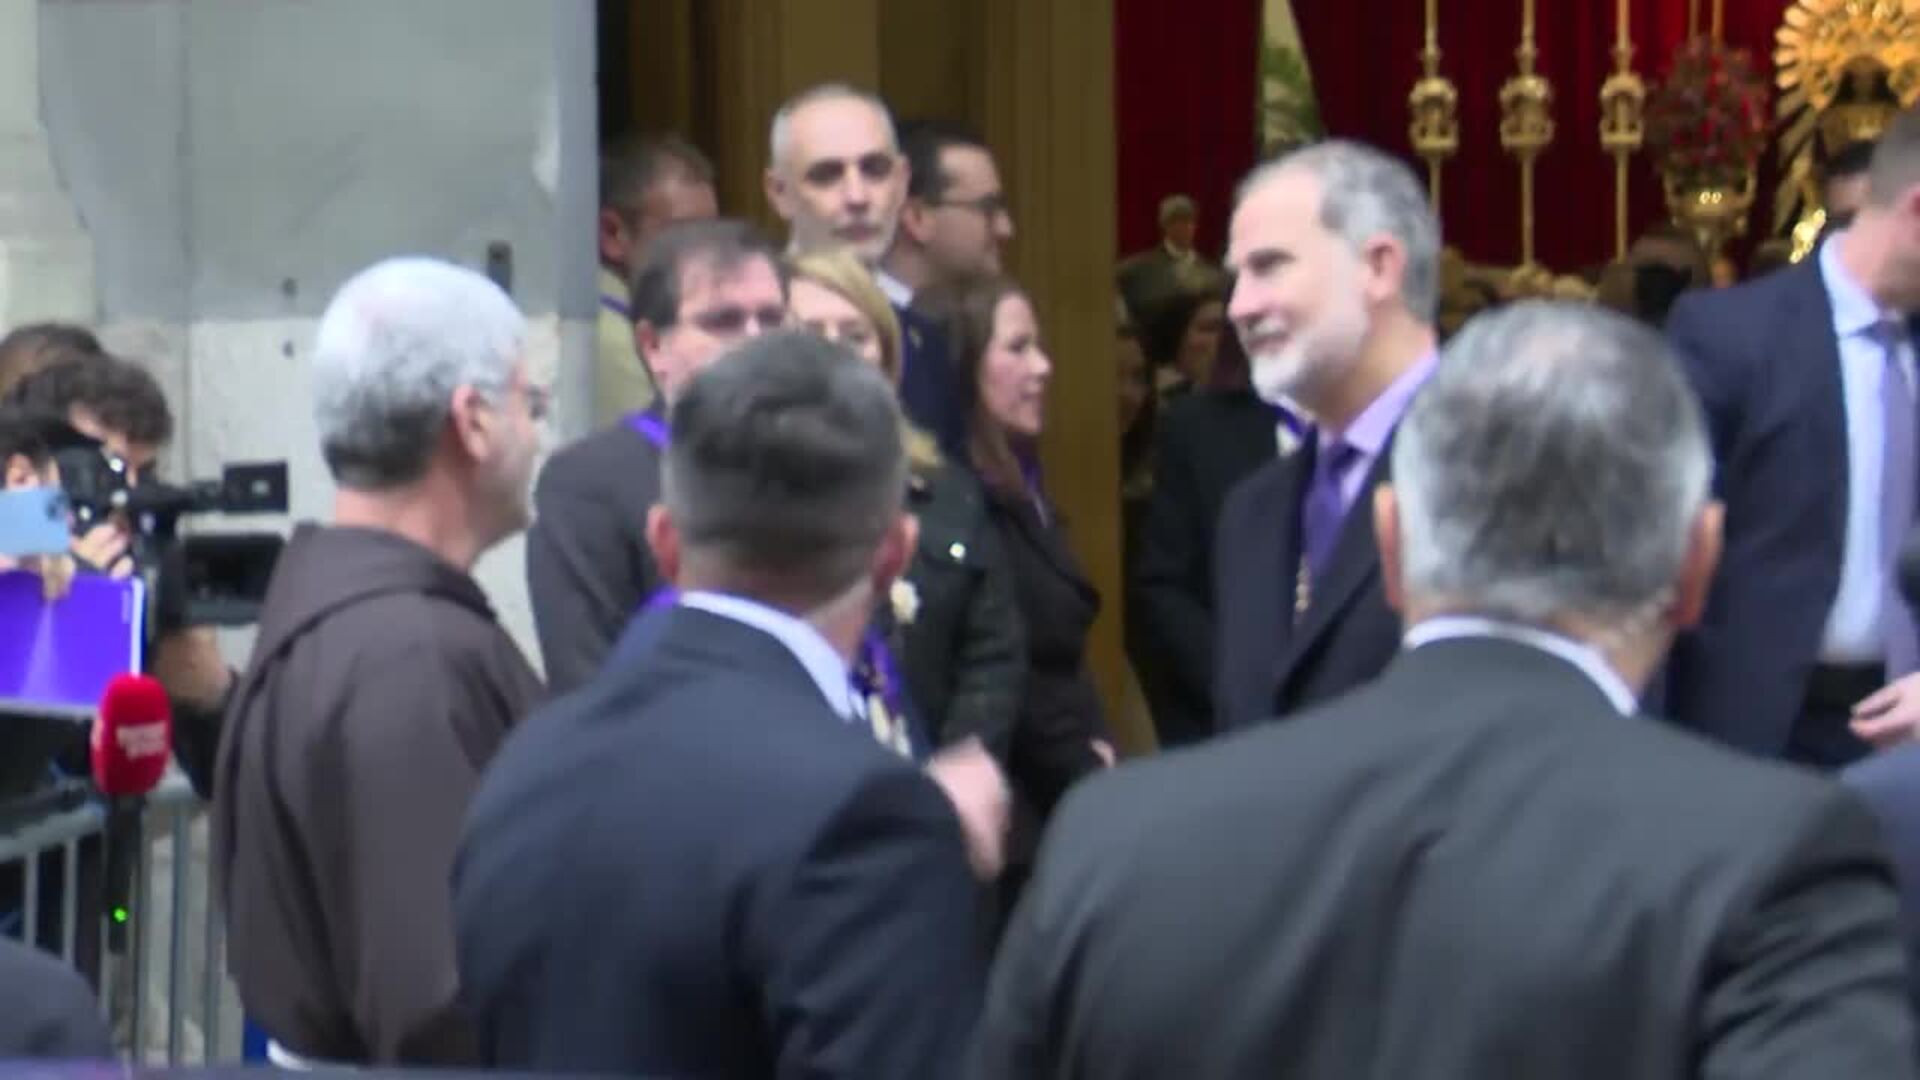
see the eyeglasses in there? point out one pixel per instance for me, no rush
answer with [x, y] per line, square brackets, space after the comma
[731, 322]
[990, 206]
[874, 168]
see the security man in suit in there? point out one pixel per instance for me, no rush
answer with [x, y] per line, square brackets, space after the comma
[703, 864]
[1485, 863]
[1807, 651]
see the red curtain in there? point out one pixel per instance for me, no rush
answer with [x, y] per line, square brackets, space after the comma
[1184, 91]
[1184, 110]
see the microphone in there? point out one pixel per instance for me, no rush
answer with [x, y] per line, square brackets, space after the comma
[132, 736]
[131, 741]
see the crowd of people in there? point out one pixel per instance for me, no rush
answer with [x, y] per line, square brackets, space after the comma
[1537, 702]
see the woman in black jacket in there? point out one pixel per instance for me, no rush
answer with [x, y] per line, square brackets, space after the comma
[963, 658]
[1062, 734]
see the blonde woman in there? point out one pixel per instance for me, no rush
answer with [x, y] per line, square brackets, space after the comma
[963, 655]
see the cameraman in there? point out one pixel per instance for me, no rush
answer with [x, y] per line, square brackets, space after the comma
[118, 403]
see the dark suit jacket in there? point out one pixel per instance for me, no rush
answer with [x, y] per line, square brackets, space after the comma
[1890, 783]
[588, 566]
[1474, 867]
[932, 391]
[47, 1010]
[694, 867]
[1208, 442]
[1268, 663]
[1061, 714]
[1763, 359]
[965, 650]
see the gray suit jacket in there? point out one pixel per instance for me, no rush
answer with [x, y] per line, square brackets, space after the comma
[1473, 867]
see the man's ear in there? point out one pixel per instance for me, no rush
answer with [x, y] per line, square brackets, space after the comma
[663, 539]
[896, 550]
[470, 422]
[916, 220]
[1386, 264]
[616, 244]
[1697, 570]
[1386, 533]
[779, 196]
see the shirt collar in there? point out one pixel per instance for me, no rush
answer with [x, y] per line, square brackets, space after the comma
[822, 663]
[1585, 657]
[898, 292]
[1854, 309]
[1370, 430]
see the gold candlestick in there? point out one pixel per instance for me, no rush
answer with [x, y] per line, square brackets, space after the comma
[1435, 127]
[1526, 123]
[1623, 128]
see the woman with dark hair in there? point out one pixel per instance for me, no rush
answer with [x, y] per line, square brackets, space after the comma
[1208, 441]
[1182, 339]
[1060, 735]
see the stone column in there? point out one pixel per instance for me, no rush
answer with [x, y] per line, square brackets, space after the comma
[46, 258]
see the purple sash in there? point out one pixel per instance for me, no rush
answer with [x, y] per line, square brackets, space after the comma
[650, 427]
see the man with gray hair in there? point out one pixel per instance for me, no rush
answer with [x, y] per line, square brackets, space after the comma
[1485, 863]
[380, 683]
[1336, 253]
[836, 176]
[702, 864]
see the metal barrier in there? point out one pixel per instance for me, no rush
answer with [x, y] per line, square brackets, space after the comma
[163, 982]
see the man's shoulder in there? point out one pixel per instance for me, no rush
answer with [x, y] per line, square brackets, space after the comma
[613, 457]
[1748, 306]
[1257, 490]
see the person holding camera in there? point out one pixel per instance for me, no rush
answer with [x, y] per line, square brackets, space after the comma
[118, 404]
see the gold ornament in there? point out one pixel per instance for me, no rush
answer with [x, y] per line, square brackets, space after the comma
[1843, 68]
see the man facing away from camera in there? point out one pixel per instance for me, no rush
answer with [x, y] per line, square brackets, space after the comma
[1484, 863]
[380, 684]
[702, 863]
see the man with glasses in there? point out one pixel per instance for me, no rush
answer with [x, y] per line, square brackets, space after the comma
[955, 218]
[838, 179]
[381, 683]
[646, 184]
[702, 287]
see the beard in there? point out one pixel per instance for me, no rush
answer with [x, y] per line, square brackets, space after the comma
[1292, 373]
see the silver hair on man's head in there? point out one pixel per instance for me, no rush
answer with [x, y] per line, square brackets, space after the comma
[1366, 193]
[781, 132]
[1553, 467]
[393, 345]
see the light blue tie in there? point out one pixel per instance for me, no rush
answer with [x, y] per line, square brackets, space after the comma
[1897, 480]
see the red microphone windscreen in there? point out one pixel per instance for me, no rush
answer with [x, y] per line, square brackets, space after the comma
[132, 736]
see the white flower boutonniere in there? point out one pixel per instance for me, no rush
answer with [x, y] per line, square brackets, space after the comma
[906, 601]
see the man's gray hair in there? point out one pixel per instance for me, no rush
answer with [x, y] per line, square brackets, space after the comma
[393, 345]
[1365, 193]
[781, 133]
[787, 465]
[1553, 466]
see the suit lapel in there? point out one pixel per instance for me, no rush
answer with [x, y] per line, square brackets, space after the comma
[1354, 563]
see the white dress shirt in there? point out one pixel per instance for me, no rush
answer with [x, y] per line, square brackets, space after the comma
[821, 661]
[1853, 633]
[1584, 657]
[899, 294]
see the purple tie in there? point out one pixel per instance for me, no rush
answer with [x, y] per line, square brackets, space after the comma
[1321, 513]
[1897, 501]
